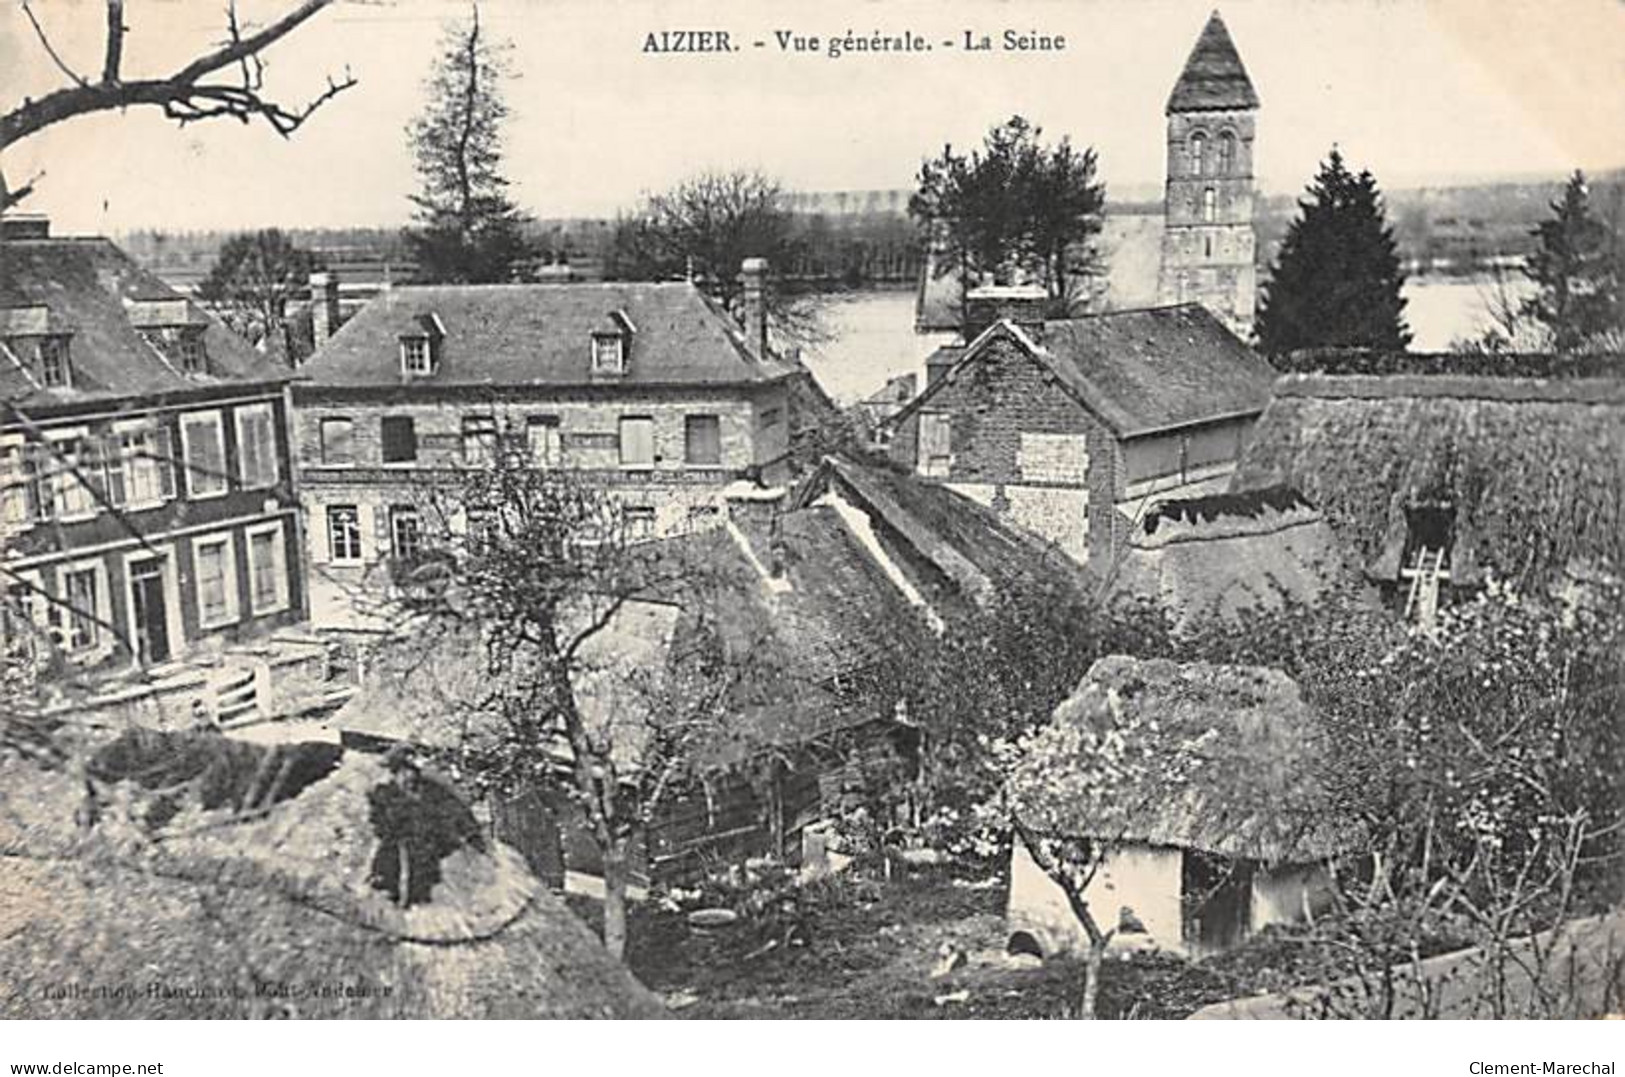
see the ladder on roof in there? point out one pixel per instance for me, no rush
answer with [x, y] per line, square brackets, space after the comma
[1423, 598]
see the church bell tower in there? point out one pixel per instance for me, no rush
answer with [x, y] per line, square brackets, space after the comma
[1208, 245]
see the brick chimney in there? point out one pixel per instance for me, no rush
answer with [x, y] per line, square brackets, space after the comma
[324, 305]
[1027, 305]
[753, 275]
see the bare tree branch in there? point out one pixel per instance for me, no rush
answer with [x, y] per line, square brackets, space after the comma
[39, 32]
[183, 96]
[115, 41]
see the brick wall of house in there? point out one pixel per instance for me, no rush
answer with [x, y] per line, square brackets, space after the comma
[1014, 444]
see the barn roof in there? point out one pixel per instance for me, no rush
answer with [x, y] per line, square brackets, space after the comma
[1214, 561]
[87, 287]
[1140, 371]
[1532, 470]
[201, 876]
[1253, 794]
[540, 335]
[1214, 76]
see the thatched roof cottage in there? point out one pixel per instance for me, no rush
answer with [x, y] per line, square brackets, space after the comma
[1210, 563]
[208, 878]
[1523, 478]
[1196, 864]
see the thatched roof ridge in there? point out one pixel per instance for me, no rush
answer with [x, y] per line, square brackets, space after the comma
[1533, 471]
[1254, 795]
[1453, 386]
[1355, 361]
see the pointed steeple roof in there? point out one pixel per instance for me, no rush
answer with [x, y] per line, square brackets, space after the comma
[1214, 77]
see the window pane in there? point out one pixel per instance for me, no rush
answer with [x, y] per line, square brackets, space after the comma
[400, 440]
[479, 439]
[637, 442]
[344, 533]
[211, 581]
[80, 594]
[264, 574]
[338, 443]
[205, 455]
[542, 435]
[406, 531]
[640, 521]
[703, 440]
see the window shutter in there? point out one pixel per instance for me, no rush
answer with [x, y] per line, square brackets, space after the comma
[318, 537]
[367, 524]
[165, 441]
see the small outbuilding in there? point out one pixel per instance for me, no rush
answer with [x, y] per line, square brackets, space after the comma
[1197, 863]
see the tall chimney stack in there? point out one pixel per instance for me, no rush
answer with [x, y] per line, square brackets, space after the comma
[753, 275]
[324, 305]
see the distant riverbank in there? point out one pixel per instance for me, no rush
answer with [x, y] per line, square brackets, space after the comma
[874, 338]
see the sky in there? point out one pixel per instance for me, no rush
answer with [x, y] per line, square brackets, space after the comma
[1419, 91]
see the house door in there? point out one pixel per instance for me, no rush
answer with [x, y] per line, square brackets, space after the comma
[151, 615]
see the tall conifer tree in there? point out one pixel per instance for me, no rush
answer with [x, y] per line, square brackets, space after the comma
[1337, 280]
[1577, 272]
[468, 231]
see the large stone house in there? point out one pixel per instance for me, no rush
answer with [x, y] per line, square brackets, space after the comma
[646, 388]
[1073, 427]
[148, 502]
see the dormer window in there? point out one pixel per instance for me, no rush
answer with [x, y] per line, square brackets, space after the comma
[611, 339]
[191, 352]
[417, 359]
[608, 354]
[55, 366]
[420, 346]
[182, 345]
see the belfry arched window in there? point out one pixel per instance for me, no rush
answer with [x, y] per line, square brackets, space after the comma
[1198, 153]
[1227, 153]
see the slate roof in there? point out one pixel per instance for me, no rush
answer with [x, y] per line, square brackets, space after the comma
[540, 335]
[93, 290]
[1143, 371]
[1214, 76]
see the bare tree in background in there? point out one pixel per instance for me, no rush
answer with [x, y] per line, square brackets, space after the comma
[227, 81]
